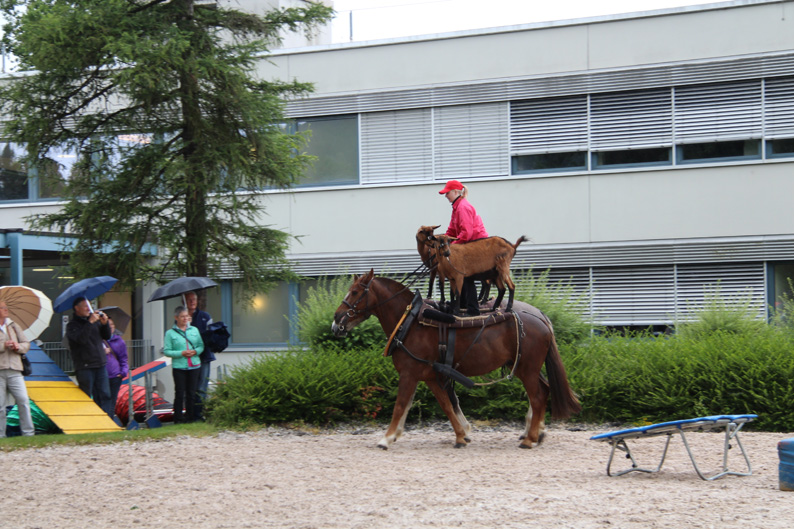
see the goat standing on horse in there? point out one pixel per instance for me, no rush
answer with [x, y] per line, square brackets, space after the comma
[464, 226]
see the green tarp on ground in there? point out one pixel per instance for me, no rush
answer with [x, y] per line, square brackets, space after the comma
[41, 422]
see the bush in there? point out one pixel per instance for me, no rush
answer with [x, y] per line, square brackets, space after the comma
[316, 314]
[643, 378]
[736, 314]
[317, 386]
[564, 306]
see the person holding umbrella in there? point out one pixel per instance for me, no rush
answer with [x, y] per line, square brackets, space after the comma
[86, 332]
[13, 345]
[200, 320]
[183, 343]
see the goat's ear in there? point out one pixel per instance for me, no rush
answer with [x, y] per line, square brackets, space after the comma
[435, 227]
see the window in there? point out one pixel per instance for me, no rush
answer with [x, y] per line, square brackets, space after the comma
[780, 148]
[719, 151]
[549, 135]
[334, 141]
[262, 320]
[632, 158]
[556, 161]
[13, 174]
[397, 146]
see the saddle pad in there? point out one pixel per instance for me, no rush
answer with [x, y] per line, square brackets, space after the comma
[465, 322]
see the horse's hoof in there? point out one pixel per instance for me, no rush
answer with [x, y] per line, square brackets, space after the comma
[468, 440]
[460, 445]
[541, 437]
[383, 447]
[522, 445]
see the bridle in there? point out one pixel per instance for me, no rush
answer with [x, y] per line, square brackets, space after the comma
[352, 310]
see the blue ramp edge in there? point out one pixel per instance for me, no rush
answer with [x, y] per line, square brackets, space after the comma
[44, 368]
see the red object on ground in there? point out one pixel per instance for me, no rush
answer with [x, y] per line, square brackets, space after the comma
[163, 409]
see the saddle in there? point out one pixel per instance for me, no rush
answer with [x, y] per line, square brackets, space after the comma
[429, 314]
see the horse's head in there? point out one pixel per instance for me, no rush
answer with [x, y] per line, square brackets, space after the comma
[356, 306]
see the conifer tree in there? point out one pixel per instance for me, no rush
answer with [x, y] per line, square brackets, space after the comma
[171, 132]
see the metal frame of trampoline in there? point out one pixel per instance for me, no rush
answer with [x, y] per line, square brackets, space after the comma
[731, 424]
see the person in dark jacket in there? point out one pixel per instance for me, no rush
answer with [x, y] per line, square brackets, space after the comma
[86, 332]
[200, 320]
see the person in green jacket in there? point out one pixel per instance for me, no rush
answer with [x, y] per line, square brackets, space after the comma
[183, 343]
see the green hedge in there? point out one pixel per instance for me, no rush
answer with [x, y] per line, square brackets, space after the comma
[636, 380]
[720, 364]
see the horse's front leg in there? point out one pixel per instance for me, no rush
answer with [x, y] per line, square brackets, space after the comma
[461, 435]
[405, 398]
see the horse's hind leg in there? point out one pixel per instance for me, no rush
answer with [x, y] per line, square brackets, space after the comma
[443, 400]
[535, 425]
[405, 398]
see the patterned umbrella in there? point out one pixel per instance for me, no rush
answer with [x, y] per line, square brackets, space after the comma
[29, 308]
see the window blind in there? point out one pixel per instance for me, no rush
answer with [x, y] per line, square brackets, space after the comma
[396, 146]
[471, 141]
[631, 120]
[718, 112]
[548, 125]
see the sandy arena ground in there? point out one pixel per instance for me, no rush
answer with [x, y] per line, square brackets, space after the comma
[340, 479]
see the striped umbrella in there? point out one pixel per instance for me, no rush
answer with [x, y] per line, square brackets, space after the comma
[29, 308]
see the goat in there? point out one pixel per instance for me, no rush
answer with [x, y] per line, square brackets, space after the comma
[425, 245]
[458, 261]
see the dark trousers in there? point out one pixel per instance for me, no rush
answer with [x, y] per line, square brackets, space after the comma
[468, 296]
[95, 383]
[185, 384]
[115, 387]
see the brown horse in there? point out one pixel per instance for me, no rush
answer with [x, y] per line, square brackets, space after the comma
[495, 347]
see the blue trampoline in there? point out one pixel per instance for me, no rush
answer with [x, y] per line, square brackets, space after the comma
[730, 424]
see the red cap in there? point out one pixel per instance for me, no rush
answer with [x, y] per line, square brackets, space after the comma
[452, 184]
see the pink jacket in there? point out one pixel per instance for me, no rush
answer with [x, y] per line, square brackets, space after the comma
[466, 225]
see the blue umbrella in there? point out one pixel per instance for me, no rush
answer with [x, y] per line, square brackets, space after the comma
[87, 288]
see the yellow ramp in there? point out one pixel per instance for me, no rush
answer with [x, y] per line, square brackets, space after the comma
[68, 407]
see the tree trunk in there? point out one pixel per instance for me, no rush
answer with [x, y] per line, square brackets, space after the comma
[195, 177]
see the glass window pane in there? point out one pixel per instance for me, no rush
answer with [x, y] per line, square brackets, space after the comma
[719, 151]
[783, 147]
[55, 171]
[13, 174]
[334, 141]
[555, 161]
[632, 157]
[263, 319]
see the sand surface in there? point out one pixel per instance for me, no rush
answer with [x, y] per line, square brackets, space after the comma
[340, 479]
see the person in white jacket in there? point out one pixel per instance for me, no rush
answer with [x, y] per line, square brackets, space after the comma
[12, 346]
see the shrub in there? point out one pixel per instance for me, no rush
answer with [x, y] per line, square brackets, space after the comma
[564, 306]
[735, 314]
[316, 314]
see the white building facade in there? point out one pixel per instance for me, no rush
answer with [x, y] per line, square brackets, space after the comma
[648, 156]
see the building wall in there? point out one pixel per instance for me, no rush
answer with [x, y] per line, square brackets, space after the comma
[544, 49]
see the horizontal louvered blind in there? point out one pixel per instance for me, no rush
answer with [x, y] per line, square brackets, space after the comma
[715, 112]
[471, 140]
[396, 146]
[735, 284]
[548, 125]
[779, 107]
[631, 119]
[633, 296]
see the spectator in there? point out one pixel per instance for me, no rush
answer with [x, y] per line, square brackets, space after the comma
[12, 346]
[183, 343]
[200, 320]
[86, 332]
[117, 365]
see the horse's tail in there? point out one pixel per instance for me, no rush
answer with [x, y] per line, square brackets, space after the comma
[564, 401]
